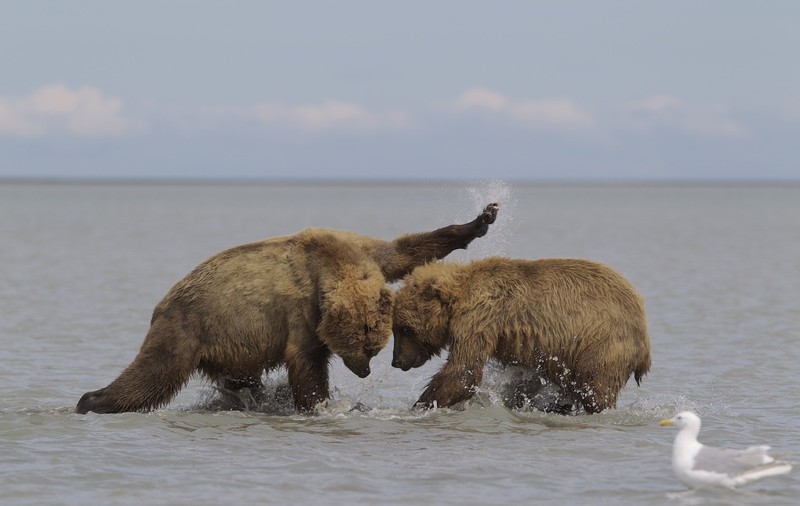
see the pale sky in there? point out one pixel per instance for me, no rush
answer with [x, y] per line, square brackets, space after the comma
[526, 90]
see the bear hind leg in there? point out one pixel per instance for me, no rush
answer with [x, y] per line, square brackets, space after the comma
[596, 398]
[163, 366]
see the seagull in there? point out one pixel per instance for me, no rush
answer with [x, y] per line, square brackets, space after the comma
[701, 466]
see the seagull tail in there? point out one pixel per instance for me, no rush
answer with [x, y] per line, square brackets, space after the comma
[759, 472]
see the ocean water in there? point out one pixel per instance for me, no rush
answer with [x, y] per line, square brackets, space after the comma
[83, 265]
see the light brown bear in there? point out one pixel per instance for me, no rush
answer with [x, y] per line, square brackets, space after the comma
[292, 300]
[575, 323]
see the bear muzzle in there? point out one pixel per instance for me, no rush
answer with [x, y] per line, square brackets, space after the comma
[359, 367]
[405, 363]
[400, 365]
[362, 372]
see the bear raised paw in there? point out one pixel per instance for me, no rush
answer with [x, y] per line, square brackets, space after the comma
[576, 323]
[293, 300]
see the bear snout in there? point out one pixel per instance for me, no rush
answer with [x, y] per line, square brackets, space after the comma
[396, 363]
[406, 363]
[359, 367]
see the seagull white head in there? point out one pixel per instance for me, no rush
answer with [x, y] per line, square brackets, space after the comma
[685, 419]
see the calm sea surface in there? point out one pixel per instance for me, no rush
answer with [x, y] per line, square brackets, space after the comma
[82, 266]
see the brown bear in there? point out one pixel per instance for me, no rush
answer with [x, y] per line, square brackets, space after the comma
[292, 300]
[575, 323]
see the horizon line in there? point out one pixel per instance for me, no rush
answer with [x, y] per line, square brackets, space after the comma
[355, 181]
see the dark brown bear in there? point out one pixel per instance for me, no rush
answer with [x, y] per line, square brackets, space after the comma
[292, 300]
[576, 323]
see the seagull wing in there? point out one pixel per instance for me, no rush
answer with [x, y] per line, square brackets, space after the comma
[741, 466]
[730, 462]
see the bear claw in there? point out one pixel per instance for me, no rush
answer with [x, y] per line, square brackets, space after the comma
[486, 218]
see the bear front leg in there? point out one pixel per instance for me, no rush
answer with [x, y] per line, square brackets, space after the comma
[308, 378]
[452, 384]
[412, 250]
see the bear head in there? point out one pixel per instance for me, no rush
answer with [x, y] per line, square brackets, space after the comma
[421, 316]
[356, 318]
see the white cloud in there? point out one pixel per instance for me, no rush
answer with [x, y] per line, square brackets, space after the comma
[82, 112]
[656, 104]
[706, 120]
[552, 113]
[326, 116]
[481, 99]
[558, 112]
[317, 117]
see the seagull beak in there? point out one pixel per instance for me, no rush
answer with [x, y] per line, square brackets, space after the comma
[665, 423]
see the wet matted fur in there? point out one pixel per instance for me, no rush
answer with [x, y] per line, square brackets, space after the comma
[577, 323]
[293, 300]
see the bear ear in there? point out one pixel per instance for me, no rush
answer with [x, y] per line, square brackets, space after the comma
[437, 291]
[446, 294]
[429, 292]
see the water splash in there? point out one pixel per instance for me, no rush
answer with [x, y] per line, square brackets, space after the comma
[274, 398]
[497, 240]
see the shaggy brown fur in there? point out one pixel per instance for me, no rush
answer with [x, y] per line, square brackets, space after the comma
[575, 322]
[292, 300]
